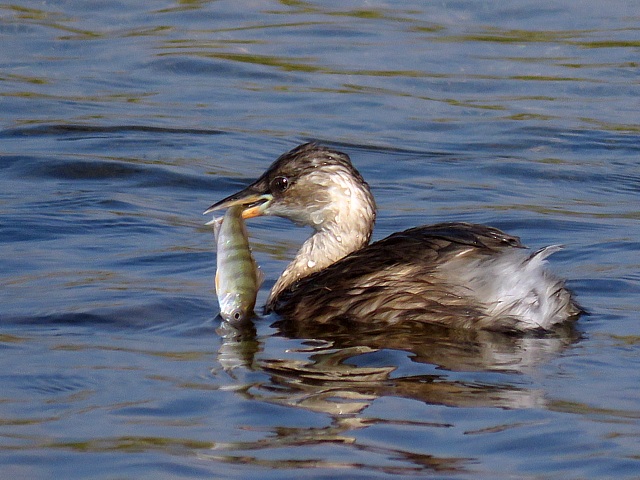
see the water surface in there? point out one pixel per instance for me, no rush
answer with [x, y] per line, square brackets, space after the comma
[122, 122]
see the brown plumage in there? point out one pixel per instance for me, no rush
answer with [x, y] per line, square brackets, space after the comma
[395, 279]
[459, 275]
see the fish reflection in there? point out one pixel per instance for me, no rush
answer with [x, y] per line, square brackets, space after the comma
[238, 348]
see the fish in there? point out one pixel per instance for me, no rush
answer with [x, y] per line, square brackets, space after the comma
[238, 277]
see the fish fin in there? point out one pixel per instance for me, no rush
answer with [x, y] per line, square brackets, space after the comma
[216, 223]
[259, 274]
[217, 282]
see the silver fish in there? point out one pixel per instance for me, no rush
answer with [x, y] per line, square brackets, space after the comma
[238, 277]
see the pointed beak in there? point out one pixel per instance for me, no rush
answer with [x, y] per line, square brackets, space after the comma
[253, 201]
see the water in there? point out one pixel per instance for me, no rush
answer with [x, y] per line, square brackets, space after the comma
[122, 122]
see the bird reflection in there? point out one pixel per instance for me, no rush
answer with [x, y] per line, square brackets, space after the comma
[331, 372]
[450, 349]
[330, 380]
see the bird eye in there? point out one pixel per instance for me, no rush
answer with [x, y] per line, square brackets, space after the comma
[280, 184]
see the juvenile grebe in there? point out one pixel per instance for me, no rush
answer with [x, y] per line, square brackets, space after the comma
[459, 275]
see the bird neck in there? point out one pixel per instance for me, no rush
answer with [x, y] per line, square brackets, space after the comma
[328, 244]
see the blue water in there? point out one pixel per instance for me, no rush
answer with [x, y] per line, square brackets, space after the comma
[121, 122]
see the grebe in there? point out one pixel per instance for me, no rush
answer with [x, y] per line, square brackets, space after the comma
[458, 275]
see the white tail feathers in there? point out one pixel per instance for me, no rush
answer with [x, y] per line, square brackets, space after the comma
[516, 288]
